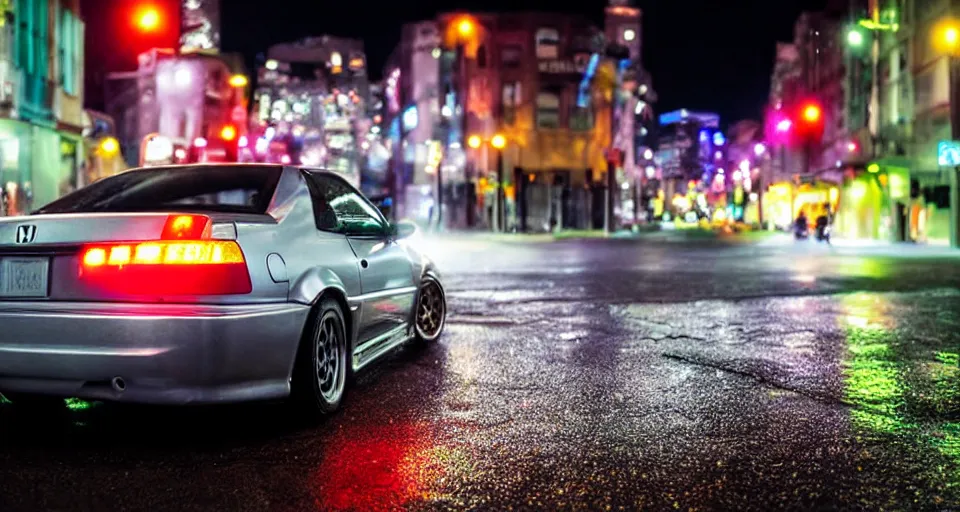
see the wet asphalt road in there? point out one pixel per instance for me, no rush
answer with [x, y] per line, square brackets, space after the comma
[592, 374]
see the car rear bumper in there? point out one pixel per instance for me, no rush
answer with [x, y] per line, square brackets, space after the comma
[165, 354]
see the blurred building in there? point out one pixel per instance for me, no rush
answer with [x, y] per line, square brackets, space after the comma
[313, 106]
[819, 39]
[41, 102]
[805, 175]
[413, 110]
[692, 149]
[189, 104]
[784, 82]
[747, 159]
[900, 110]
[200, 25]
[463, 78]
[101, 147]
[118, 32]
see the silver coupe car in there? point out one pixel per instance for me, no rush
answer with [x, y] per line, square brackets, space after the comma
[208, 284]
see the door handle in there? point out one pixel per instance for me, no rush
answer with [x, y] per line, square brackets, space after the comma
[364, 264]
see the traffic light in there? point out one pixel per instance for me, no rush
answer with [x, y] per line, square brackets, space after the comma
[809, 122]
[231, 144]
[147, 18]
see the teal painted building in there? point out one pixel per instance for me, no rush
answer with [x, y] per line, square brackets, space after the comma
[41, 115]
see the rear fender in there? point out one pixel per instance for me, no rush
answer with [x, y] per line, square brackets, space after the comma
[316, 282]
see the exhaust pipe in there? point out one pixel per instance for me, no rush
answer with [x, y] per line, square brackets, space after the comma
[118, 384]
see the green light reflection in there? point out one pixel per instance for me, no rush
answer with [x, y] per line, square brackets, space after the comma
[897, 388]
[873, 384]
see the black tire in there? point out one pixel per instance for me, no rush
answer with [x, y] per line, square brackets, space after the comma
[430, 313]
[320, 372]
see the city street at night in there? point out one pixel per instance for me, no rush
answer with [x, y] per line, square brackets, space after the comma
[664, 371]
[484, 256]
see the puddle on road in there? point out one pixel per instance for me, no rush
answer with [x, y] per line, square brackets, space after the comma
[891, 359]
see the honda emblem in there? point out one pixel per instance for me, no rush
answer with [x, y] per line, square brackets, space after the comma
[26, 233]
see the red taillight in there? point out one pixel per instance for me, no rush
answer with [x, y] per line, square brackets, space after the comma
[184, 262]
[187, 227]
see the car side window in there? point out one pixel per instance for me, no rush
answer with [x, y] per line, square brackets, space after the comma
[352, 214]
[323, 213]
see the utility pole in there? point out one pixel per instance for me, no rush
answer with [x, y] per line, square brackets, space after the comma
[612, 192]
[499, 212]
[955, 135]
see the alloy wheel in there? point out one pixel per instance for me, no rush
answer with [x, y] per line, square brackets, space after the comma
[329, 358]
[431, 310]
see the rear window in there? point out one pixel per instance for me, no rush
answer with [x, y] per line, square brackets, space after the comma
[226, 188]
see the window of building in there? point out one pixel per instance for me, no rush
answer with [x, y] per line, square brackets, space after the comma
[40, 31]
[548, 43]
[581, 119]
[511, 56]
[548, 110]
[510, 102]
[482, 56]
[70, 44]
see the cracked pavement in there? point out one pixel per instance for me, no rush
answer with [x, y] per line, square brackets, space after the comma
[578, 375]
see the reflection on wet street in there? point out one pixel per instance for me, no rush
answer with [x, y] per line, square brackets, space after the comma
[598, 375]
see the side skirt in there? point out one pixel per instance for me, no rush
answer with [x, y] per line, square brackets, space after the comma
[373, 349]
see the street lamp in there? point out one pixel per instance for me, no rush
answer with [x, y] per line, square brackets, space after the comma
[460, 32]
[238, 81]
[855, 38]
[950, 36]
[465, 27]
[498, 142]
[946, 39]
[109, 146]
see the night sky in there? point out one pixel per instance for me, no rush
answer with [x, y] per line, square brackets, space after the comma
[713, 55]
[709, 55]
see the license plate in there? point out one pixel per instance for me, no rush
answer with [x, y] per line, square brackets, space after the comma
[24, 277]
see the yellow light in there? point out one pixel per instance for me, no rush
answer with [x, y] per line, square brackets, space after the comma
[149, 254]
[120, 255]
[474, 141]
[109, 146]
[228, 133]
[498, 141]
[148, 19]
[811, 113]
[238, 81]
[465, 27]
[95, 257]
[951, 35]
[873, 168]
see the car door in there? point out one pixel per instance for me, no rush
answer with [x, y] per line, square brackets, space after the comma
[386, 273]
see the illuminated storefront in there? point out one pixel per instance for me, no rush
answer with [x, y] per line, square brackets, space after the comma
[784, 201]
[37, 165]
[874, 204]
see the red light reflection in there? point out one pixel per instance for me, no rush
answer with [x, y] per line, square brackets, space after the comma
[386, 469]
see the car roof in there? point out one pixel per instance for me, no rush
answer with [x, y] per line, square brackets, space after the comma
[213, 165]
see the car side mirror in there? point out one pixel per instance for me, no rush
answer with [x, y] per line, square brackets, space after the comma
[403, 229]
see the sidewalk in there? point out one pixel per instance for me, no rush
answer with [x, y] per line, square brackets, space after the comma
[647, 233]
[769, 239]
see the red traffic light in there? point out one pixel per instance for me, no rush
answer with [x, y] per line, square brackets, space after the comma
[809, 123]
[811, 113]
[228, 133]
[147, 18]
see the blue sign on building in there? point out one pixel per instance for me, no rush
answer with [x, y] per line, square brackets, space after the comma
[948, 153]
